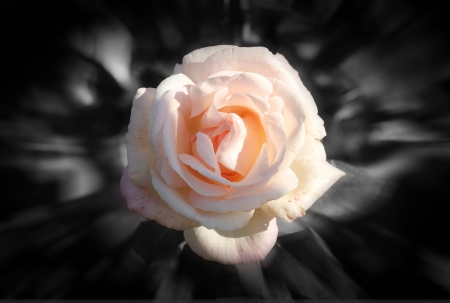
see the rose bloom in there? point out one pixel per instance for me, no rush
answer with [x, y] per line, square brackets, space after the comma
[224, 146]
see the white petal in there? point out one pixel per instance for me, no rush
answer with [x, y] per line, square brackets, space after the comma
[315, 177]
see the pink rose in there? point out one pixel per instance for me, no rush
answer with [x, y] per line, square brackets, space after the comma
[226, 144]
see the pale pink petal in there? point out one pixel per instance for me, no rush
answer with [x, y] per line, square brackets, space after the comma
[230, 147]
[205, 150]
[276, 104]
[176, 141]
[249, 244]
[294, 112]
[174, 99]
[203, 93]
[315, 177]
[140, 157]
[212, 117]
[201, 54]
[273, 125]
[256, 60]
[148, 204]
[193, 62]
[277, 187]
[241, 101]
[250, 83]
[169, 175]
[198, 166]
[178, 201]
[177, 69]
[287, 66]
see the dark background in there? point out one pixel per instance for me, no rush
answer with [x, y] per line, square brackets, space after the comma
[379, 72]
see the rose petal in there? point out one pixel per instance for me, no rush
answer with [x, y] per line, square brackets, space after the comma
[251, 147]
[229, 149]
[240, 102]
[249, 244]
[257, 174]
[177, 199]
[193, 62]
[205, 150]
[258, 60]
[277, 187]
[169, 175]
[176, 142]
[250, 83]
[212, 117]
[139, 155]
[203, 93]
[294, 114]
[319, 152]
[148, 204]
[176, 97]
[314, 178]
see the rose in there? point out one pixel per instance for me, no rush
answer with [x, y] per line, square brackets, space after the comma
[226, 144]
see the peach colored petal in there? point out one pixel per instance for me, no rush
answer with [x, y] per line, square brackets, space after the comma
[251, 147]
[178, 201]
[315, 177]
[257, 177]
[253, 181]
[176, 141]
[277, 187]
[249, 244]
[148, 204]
[228, 152]
[205, 151]
[139, 155]
[260, 173]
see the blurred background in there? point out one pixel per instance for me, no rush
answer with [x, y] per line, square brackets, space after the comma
[379, 72]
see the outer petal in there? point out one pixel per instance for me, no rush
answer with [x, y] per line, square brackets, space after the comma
[140, 158]
[193, 62]
[315, 177]
[148, 204]
[178, 201]
[257, 60]
[249, 244]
